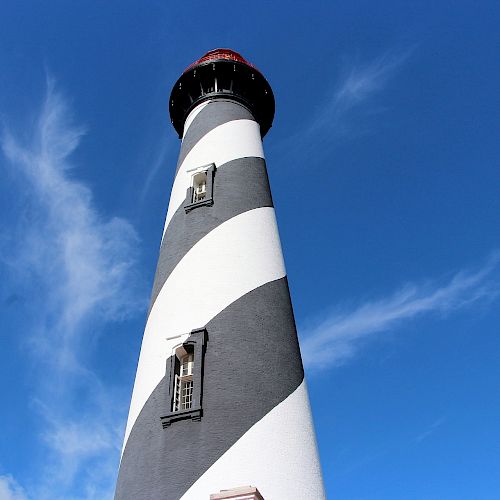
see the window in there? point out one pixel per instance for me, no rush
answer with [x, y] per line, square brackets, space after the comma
[200, 192]
[199, 187]
[183, 391]
[185, 376]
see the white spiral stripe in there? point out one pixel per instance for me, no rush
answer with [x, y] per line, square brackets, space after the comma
[227, 142]
[236, 257]
[278, 455]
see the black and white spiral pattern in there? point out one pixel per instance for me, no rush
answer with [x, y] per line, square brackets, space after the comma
[256, 427]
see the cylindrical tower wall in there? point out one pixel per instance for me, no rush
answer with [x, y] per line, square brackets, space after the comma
[221, 271]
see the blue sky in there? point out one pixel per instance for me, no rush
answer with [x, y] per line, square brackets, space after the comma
[384, 165]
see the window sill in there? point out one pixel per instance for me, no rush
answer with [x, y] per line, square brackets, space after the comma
[174, 416]
[205, 203]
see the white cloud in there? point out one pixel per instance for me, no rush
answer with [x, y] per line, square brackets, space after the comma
[431, 429]
[85, 260]
[362, 81]
[351, 96]
[357, 84]
[10, 490]
[79, 269]
[157, 163]
[337, 337]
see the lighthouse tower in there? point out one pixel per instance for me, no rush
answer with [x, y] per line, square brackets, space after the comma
[220, 406]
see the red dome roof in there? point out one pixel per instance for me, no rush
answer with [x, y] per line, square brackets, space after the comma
[218, 54]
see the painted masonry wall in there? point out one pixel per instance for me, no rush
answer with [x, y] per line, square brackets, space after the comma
[256, 426]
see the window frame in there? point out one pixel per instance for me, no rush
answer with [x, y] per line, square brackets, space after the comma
[189, 203]
[195, 343]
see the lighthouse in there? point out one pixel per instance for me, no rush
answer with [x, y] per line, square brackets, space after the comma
[220, 407]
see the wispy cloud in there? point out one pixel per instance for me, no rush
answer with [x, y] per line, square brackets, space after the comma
[156, 164]
[80, 269]
[334, 339]
[357, 84]
[349, 98]
[10, 490]
[431, 429]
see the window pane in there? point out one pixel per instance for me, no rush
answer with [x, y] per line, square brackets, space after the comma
[187, 365]
[186, 394]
